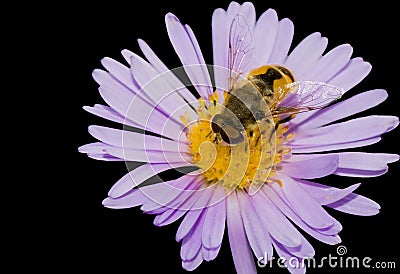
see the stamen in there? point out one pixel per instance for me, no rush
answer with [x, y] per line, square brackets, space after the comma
[253, 161]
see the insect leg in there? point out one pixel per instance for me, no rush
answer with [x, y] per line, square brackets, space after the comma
[282, 121]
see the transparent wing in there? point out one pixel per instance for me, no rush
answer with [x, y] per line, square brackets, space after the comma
[241, 47]
[305, 96]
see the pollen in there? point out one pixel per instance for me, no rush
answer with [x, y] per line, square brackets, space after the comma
[251, 162]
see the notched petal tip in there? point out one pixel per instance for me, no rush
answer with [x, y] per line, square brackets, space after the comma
[368, 65]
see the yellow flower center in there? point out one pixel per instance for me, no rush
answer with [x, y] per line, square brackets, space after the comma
[252, 162]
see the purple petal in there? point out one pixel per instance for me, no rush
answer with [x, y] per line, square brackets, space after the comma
[97, 148]
[135, 198]
[156, 211]
[134, 140]
[214, 223]
[360, 173]
[221, 23]
[127, 55]
[188, 50]
[210, 254]
[199, 208]
[326, 194]
[169, 216]
[179, 206]
[128, 105]
[143, 73]
[248, 11]
[98, 151]
[355, 104]
[333, 230]
[349, 131]
[188, 199]
[153, 193]
[329, 64]
[162, 195]
[137, 176]
[303, 204]
[283, 41]
[191, 244]
[109, 114]
[155, 157]
[150, 118]
[242, 256]
[320, 166]
[349, 76]
[220, 32]
[357, 164]
[305, 250]
[355, 71]
[288, 211]
[257, 235]
[170, 77]
[357, 205]
[158, 89]
[121, 73]
[306, 54]
[265, 33]
[104, 157]
[276, 223]
[115, 94]
[337, 146]
[293, 264]
[193, 264]
[105, 79]
[349, 160]
[386, 157]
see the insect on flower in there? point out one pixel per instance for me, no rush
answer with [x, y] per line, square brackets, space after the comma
[267, 94]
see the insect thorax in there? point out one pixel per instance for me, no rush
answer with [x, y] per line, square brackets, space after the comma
[252, 97]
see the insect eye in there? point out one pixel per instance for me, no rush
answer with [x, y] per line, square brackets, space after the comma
[231, 135]
[217, 123]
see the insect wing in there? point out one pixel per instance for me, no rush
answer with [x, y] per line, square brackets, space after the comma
[307, 95]
[241, 47]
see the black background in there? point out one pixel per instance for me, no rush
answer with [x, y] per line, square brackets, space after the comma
[83, 235]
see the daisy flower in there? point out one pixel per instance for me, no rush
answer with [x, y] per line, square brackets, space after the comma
[166, 128]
